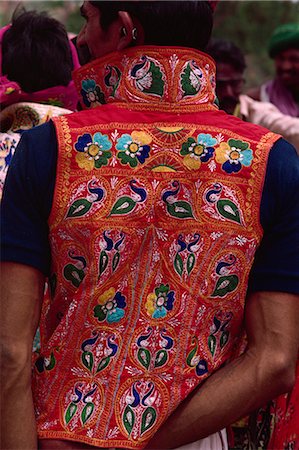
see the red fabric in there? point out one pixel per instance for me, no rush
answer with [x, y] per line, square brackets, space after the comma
[286, 429]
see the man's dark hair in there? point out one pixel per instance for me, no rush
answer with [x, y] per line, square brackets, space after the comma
[223, 51]
[167, 23]
[36, 52]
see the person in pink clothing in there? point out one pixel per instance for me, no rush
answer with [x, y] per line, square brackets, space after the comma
[36, 62]
[283, 90]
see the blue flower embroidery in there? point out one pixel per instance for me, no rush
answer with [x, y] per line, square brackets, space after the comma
[234, 154]
[197, 151]
[93, 150]
[111, 306]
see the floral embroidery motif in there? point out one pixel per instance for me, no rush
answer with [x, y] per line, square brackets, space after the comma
[110, 306]
[140, 413]
[234, 154]
[185, 255]
[191, 79]
[196, 361]
[91, 94]
[7, 149]
[82, 402]
[148, 76]
[219, 334]
[196, 152]
[158, 303]
[133, 148]
[93, 151]
[154, 347]
[110, 248]
[98, 351]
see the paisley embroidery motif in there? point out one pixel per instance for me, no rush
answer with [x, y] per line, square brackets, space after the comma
[191, 79]
[219, 336]
[180, 209]
[81, 206]
[220, 206]
[80, 402]
[195, 361]
[125, 204]
[148, 76]
[110, 252]
[112, 79]
[75, 272]
[186, 251]
[226, 282]
[153, 348]
[98, 351]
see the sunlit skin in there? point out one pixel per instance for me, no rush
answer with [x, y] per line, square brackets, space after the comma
[229, 84]
[287, 69]
[99, 42]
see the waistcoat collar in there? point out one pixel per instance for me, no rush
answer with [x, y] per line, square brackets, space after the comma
[148, 77]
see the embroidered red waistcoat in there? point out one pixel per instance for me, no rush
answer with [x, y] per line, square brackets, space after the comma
[153, 231]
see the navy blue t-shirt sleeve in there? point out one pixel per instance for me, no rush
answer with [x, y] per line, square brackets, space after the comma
[27, 199]
[276, 265]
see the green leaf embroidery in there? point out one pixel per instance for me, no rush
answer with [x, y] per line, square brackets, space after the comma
[123, 205]
[70, 412]
[87, 412]
[103, 364]
[191, 355]
[228, 210]
[212, 344]
[180, 209]
[87, 359]
[144, 357]
[178, 264]
[128, 419]
[79, 208]
[103, 262]
[190, 263]
[224, 338]
[115, 261]
[52, 362]
[161, 358]
[148, 419]
[225, 285]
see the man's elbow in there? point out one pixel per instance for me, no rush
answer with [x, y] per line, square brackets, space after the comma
[280, 374]
[284, 374]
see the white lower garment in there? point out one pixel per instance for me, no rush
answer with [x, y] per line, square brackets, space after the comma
[216, 441]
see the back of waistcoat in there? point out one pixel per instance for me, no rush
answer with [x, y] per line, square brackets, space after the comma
[153, 230]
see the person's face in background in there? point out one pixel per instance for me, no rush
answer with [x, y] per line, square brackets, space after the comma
[229, 85]
[99, 42]
[287, 68]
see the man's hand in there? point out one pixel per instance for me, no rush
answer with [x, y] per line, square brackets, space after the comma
[264, 371]
[22, 290]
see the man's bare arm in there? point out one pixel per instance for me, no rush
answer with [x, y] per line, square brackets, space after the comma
[266, 370]
[21, 297]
